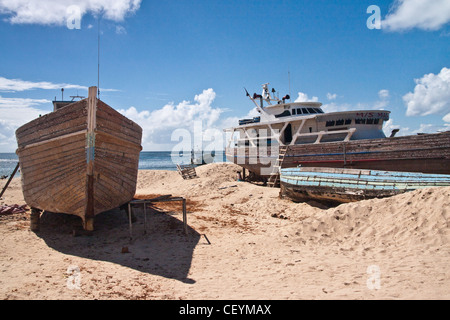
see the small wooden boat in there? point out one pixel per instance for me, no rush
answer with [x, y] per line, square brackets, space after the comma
[81, 159]
[337, 185]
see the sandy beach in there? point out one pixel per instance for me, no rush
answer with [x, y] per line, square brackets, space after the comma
[260, 246]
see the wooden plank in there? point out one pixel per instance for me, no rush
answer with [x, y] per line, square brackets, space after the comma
[62, 122]
[112, 122]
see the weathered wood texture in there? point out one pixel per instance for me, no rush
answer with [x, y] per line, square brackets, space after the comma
[79, 163]
[348, 185]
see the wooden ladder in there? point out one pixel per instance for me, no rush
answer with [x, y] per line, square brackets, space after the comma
[274, 180]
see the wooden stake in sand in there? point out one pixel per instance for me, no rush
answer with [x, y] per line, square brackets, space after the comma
[10, 179]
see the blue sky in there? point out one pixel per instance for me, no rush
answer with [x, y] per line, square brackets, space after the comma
[167, 64]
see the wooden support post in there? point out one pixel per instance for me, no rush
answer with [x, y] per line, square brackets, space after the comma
[89, 224]
[185, 217]
[130, 221]
[9, 180]
[35, 219]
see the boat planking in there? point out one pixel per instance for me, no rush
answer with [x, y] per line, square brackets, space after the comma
[349, 185]
[81, 160]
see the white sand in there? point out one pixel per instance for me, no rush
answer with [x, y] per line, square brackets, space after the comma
[262, 247]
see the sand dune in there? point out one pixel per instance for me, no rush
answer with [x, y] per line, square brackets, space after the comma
[262, 247]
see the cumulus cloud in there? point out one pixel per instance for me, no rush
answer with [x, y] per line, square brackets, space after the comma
[55, 12]
[431, 95]
[303, 97]
[159, 124]
[421, 14]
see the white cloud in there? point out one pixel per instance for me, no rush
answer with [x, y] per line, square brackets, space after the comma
[380, 104]
[421, 14]
[15, 85]
[430, 128]
[335, 107]
[446, 118]
[431, 95]
[407, 131]
[383, 94]
[54, 12]
[7, 137]
[303, 97]
[383, 101]
[159, 124]
[331, 96]
[15, 112]
[389, 126]
[18, 111]
[121, 30]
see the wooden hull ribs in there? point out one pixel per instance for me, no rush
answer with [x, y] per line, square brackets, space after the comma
[81, 160]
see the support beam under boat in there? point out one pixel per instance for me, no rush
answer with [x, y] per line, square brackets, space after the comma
[35, 219]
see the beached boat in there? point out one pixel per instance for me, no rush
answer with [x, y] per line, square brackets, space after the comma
[82, 159]
[305, 135]
[349, 185]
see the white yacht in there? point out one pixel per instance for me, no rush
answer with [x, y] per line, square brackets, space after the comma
[293, 123]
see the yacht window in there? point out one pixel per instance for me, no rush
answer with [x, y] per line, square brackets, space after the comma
[312, 110]
[348, 121]
[320, 111]
[360, 121]
[340, 122]
[299, 111]
[293, 112]
[369, 121]
[376, 121]
[305, 111]
[286, 113]
[330, 123]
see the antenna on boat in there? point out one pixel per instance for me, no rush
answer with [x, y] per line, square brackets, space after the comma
[98, 71]
[289, 76]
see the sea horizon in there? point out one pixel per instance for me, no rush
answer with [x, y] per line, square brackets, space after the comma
[148, 160]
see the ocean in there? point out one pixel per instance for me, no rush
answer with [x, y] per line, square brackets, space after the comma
[157, 160]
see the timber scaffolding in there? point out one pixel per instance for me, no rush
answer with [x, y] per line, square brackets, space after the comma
[426, 153]
[187, 171]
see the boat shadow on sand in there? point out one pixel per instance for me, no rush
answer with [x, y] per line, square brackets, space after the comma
[163, 250]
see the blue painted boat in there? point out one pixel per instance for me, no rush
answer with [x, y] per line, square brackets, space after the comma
[339, 185]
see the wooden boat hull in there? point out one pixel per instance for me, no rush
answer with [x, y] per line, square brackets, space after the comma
[80, 160]
[428, 153]
[350, 185]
